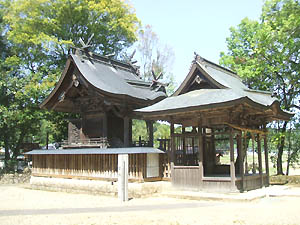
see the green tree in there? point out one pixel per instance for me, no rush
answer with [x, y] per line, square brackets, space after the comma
[35, 39]
[46, 29]
[265, 54]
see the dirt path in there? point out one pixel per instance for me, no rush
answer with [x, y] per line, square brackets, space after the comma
[24, 206]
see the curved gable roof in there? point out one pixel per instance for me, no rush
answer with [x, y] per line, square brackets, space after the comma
[107, 76]
[229, 90]
[218, 76]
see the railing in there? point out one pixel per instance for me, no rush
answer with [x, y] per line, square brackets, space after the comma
[86, 143]
[141, 143]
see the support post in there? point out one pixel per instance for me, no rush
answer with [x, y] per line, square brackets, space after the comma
[253, 154]
[150, 132]
[183, 146]
[200, 155]
[259, 160]
[126, 131]
[104, 124]
[232, 167]
[241, 163]
[123, 177]
[173, 156]
[266, 158]
[130, 132]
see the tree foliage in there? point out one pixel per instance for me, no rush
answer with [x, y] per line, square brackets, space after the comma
[265, 54]
[48, 28]
[35, 38]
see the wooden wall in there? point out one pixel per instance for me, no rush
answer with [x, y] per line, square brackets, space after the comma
[186, 177]
[90, 166]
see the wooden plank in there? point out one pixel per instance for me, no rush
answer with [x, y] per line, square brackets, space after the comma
[232, 167]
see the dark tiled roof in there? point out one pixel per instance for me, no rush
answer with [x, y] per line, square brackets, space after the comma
[95, 151]
[115, 77]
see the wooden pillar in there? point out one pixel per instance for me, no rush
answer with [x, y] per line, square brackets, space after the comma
[130, 132]
[266, 158]
[104, 125]
[150, 132]
[232, 167]
[241, 158]
[183, 146]
[126, 131]
[253, 155]
[246, 152]
[259, 160]
[173, 156]
[200, 155]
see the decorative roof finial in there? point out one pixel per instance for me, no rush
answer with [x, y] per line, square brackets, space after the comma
[86, 45]
[197, 57]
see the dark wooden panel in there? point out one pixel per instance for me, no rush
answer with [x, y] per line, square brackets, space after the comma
[186, 177]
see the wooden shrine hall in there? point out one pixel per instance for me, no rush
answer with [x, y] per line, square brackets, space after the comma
[103, 92]
[218, 130]
[217, 125]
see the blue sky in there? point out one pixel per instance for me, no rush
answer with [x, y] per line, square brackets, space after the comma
[194, 25]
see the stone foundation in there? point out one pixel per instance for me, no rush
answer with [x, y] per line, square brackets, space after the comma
[16, 178]
[135, 190]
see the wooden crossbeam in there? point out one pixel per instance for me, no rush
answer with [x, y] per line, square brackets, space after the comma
[251, 130]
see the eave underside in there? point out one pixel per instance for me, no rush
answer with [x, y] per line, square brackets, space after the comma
[240, 113]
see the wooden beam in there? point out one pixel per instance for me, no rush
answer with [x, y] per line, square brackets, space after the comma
[232, 167]
[251, 130]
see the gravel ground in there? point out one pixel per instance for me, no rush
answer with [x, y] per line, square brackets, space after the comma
[20, 205]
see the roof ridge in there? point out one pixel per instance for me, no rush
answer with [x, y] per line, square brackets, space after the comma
[107, 60]
[202, 60]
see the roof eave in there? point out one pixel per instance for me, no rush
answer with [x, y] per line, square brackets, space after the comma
[43, 105]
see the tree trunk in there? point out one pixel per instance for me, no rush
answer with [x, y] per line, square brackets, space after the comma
[16, 150]
[6, 147]
[289, 153]
[280, 150]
